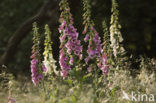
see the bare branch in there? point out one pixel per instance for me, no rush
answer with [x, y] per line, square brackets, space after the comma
[42, 16]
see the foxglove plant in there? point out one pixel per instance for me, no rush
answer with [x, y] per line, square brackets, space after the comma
[94, 51]
[36, 65]
[116, 39]
[115, 34]
[107, 50]
[49, 62]
[71, 49]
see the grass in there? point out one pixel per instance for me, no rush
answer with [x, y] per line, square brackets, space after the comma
[93, 89]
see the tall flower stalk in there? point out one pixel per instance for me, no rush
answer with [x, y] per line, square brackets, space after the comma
[115, 34]
[94, 51]
[116, 38]
[106, 39]
[36, 65]
[70, 48]
[49, 61]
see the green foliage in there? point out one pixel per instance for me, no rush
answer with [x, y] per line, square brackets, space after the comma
[5, 78]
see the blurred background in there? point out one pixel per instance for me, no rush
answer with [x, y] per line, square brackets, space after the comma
[137, 18]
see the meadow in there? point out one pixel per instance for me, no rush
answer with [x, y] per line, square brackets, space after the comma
[90, 68]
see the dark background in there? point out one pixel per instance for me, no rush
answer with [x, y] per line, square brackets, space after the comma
[137, 18]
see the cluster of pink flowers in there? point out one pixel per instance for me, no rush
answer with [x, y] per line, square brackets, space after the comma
[103, 64]
[36, 77]
[94, 50]
[70, 47]
[94, 47]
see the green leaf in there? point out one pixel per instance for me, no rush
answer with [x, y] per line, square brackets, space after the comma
[73, 99]
[69, 81]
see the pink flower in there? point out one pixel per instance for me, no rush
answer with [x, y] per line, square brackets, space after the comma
[104, 69]
[89, 69]
[85, 30]
[12, 100]
[87, 59]
[71, 60]
[62, 26]
[34, 61]
[62, 38]
[35, 80]
[104, 66]
[40, 76]
[44, 68]
[86, 38]
[64, 73]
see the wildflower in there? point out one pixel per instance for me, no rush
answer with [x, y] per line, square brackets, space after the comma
[12, 100]
[34, 63]
[104, 66]
[94, 47]
[71, 61]
[35, 58]
[62, 26]
[85, 30]
[63, 61]
[40, 76]
[70, 48]
[44, 68]
[94, 51]
[89, 69]
[49, 62]
[64, 73]
[115, 34]
[86, 38]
